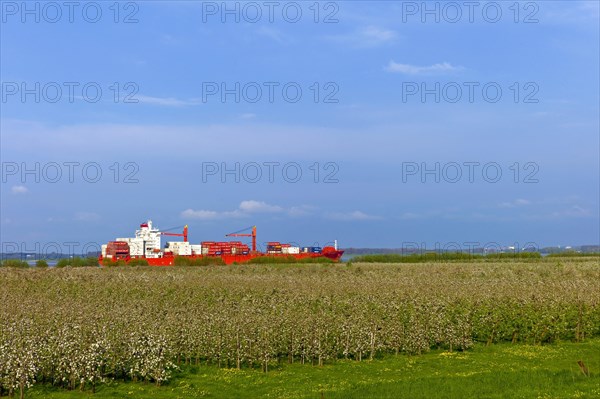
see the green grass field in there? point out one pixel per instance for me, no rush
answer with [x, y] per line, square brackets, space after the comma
[495, 371]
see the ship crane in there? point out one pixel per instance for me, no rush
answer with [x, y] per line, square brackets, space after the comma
[184, 234]
[240, 234]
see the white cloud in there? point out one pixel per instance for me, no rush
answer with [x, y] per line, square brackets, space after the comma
[302, 210]
[248, 115]
[87, 216]
[350, 216]
[271, 33]
[248, 208]
[200, 214]
[369, 36]
[408, 69]
[374, 34]
[582, 13]
[19, 190]
[513, 204]
[440, 213]
[258, 207]
[165, 101]
[574, 211]
[536, 211]
[168, 39]
[590, 8]
[245, 209]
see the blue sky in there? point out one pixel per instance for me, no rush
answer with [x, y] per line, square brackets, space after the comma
[356, 121]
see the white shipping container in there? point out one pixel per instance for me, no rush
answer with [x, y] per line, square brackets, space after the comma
[136, 247]
[293, 250]
[104, 250]
[180, 247]
[185, 251]
[197, 249]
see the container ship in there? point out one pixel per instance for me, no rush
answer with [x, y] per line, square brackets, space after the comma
[147, 245]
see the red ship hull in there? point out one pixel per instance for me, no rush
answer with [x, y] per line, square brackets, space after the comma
[229, 259]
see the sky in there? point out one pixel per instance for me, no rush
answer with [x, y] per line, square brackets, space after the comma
[379, 123]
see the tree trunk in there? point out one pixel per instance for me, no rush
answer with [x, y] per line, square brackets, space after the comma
[578, 330]
[237, 338]
[372, 346]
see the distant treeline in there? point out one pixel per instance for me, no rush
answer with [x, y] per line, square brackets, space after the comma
[586, 249]
[72, 262]
[461, 256]
[416, 251]
[434, 256]
[53, 256]
[569, 254]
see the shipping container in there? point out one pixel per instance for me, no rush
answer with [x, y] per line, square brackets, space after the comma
[196, 249]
